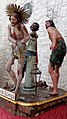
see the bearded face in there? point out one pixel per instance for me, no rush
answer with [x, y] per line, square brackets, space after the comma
[47, 24]
[13, 20]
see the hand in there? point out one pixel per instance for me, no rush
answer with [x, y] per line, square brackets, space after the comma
[15, 42]
[23, 42]
[53, 47]
[13, 46]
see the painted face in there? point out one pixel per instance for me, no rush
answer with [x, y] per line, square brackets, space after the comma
[47, 24]
[13, 21]
[34, 27]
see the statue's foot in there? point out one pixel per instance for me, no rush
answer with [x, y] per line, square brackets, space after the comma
[15, 91]
[53, 94]
[13, 88]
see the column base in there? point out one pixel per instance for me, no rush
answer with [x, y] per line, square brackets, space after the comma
[28, 89]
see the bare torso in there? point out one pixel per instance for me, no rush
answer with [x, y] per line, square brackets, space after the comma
[18, 38]
[18, 34]
[54, 36]
[53, 31]
[14, 34]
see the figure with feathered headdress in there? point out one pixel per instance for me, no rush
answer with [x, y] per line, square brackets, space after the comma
[18, 36]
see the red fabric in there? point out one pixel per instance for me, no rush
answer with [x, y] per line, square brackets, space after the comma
[57, 113]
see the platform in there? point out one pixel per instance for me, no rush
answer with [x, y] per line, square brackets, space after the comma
[30, 104]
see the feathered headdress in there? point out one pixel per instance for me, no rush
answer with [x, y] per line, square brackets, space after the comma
[22, 13]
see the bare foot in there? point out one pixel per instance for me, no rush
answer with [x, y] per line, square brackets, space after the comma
[51, 94]
[13, 88]
[54, 93]
[16, 90]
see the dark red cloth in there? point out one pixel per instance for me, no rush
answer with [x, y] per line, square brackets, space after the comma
[56, 113]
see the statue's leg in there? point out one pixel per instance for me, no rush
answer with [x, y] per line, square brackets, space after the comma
[9, 70]
[19, 74]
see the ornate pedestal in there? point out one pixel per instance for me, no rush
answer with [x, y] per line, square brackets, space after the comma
[30, 104]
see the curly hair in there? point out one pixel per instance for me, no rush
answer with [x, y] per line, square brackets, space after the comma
[34, 26]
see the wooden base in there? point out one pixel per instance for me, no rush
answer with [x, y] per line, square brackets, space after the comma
[31, 104]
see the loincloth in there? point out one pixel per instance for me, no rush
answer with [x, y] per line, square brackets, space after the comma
[57, 56]
[29, 55]
[19, 51]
